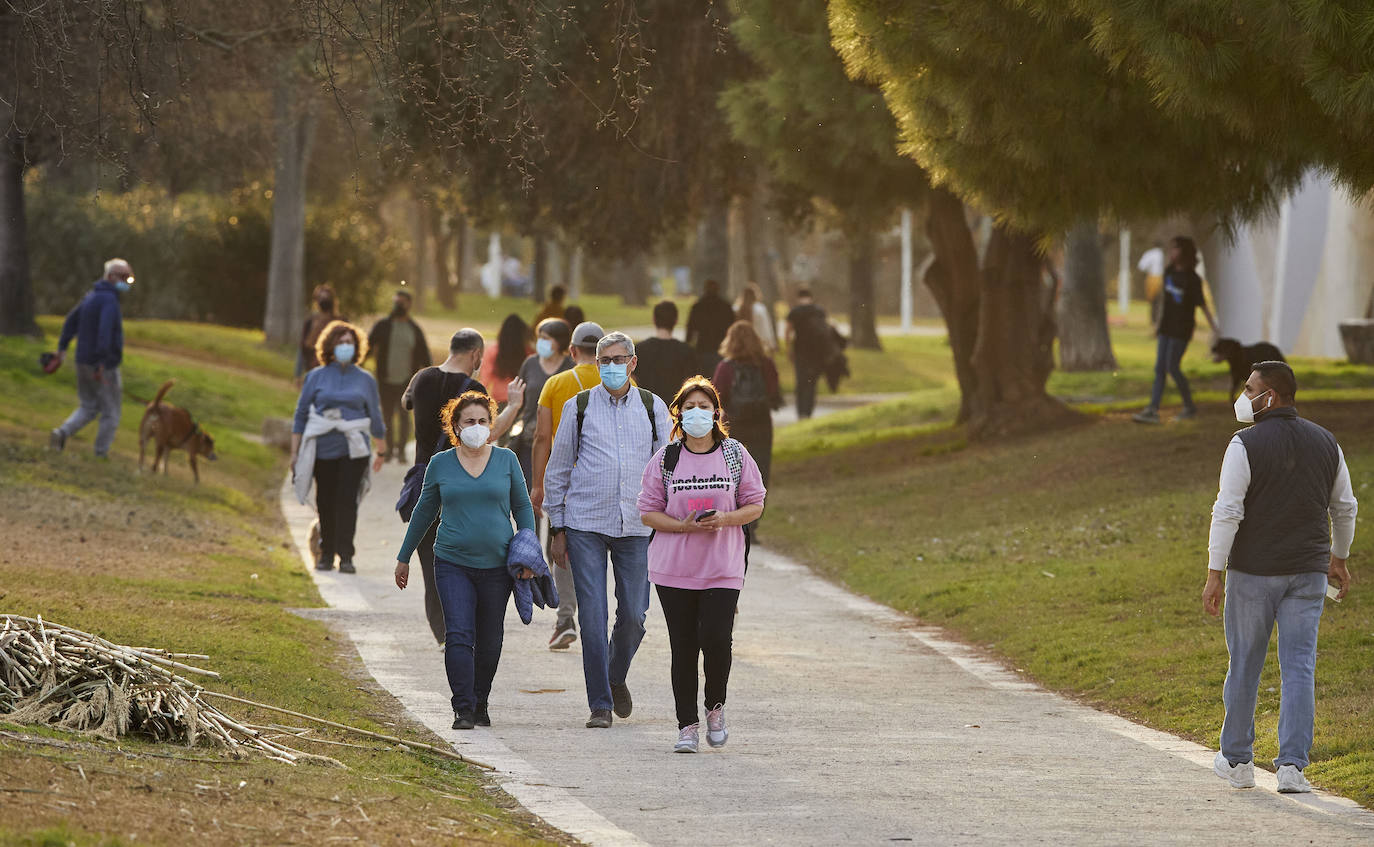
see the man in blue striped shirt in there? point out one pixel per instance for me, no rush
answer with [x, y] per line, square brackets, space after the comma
[605, 437]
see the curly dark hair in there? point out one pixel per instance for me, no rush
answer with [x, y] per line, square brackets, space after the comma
[705, 386]
[454, 408]
[329, 336]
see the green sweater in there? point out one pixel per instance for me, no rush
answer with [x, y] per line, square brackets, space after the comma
[474, 521]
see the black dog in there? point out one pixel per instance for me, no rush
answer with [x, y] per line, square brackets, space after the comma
[1241, 358]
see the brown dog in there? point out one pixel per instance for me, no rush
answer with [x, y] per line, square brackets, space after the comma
[172, 428]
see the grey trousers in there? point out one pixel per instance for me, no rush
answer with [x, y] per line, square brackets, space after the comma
[99, 398]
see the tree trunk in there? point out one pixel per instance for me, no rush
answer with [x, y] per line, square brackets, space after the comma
[1084, 341]
[863, 327]
[711, 254]
[463, 241]
[632, 279]
[952, 275]
[1014, 354]
[295, 123]
[541, 267]
[16, 285]
[442, 232]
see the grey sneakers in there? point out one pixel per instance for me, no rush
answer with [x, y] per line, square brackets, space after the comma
[1241, 775]
[716, 733]
[1291, 781]
[620, 698]
[57, 439]
[1146, 416]
[687, 739]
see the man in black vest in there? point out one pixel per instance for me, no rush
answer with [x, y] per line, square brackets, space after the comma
[1284, 520]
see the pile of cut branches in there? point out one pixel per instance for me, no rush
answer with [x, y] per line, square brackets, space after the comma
[65, 678]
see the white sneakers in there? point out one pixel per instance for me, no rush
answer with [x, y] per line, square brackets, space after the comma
[716, 733]
[687, 739]
[1291, 781]
[1240, 776]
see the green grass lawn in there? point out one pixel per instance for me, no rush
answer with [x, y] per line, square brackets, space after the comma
[1077, 556]
[486, 313]
[157, 560]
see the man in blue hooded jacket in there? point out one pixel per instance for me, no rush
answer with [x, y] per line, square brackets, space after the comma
[98, 328]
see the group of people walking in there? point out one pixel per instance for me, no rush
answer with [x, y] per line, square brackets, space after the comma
[635, 490]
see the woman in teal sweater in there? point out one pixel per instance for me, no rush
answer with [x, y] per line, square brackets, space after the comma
[473, 490]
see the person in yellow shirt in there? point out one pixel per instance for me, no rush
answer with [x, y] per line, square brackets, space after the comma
[561, 388]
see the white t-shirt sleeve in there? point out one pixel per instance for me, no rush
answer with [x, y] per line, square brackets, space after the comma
[1229, 508]
[1342, 510]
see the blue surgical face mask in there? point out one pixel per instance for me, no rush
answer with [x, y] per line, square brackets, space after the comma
[122, 286]
[544, 348]
[698, 422]
[614, 377]
[343, 353]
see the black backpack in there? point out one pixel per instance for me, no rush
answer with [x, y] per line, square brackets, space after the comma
[749, 401]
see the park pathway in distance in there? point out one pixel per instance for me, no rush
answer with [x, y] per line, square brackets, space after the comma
[850, 725]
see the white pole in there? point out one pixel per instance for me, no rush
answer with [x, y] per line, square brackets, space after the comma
[1123, 273]
[906, 270]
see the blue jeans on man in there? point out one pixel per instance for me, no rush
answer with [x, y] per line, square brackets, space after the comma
[100, 397]
[1253, 605]
[474, 601]
[1169, 362]
[607, 660]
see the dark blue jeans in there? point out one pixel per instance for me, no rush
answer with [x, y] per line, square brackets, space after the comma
[1169, 362]
[474, 601]
[607, 660]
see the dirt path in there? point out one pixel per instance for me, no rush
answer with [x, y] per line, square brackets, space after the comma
[850, 725]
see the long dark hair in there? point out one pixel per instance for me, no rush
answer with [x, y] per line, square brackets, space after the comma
[1187, 252]
[510, 346]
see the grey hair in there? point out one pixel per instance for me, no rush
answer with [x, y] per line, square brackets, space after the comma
[115, 263]
[612, 339]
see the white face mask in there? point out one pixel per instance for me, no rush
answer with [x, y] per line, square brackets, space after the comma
[698, 422]
[474, 436]
[1245, 407]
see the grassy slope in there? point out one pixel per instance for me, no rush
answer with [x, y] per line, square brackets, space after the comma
[159, 561]
[966, 537]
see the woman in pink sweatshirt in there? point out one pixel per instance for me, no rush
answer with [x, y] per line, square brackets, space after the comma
[698, 493]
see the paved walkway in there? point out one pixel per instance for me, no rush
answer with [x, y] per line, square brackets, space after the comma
[850, 724]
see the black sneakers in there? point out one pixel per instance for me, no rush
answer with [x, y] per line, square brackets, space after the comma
[346, 566]
[600, 719]
[463, 720]
[481, 717]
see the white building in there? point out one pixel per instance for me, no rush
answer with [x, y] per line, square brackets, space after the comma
[1292, 279]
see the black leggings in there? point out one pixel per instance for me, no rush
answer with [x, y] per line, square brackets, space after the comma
[699, 622]
[336, 499]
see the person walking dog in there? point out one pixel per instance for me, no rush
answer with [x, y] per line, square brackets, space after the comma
[1281, 530]
[606, 435]
[472, 490]
[98, 328]
[698, 493]
[338, 407]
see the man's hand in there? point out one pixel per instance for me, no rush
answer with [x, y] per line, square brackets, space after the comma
[1340, 574]
[377, 462]
[516, 393]
[1213, 592]
[558, 549]
[537, 500]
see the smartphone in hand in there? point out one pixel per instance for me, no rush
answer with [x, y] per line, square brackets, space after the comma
[706, 514]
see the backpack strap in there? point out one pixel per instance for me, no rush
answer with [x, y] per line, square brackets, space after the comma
[734, 460]
[583, 398]
[667, 463]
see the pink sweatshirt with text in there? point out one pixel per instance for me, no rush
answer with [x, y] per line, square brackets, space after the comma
[700, 481]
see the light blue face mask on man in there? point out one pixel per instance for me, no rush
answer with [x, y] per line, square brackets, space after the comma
[122, 286]
[343, 353]
[614, 377]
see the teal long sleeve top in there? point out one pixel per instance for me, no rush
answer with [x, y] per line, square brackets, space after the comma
[473, 512]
